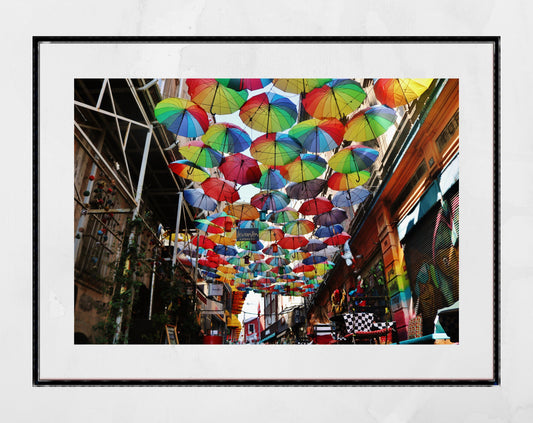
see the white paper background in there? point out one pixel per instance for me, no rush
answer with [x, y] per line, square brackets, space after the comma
[512, 401]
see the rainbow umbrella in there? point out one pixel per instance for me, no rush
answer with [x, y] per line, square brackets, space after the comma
[349, 198]
[221, 219]
[345, 181]
[250, 246]
[293, 242]
[270, 178]
[398, 92]
[314, 245]
[283, 216]
[277, 261]
[369, 123]
[316, 205]
[306, 189]
[225, 250]
[298, 227]
[304, 168]
[182, 117]
[227, 138]
[317, 135]
[270, 200]
[248, 224]
[240, 169]
[214, 97]
[227, 238]
[207, 226]
[275, 149]
[314, 260]
[242, 211]
[299, 85]
[189, 170]
[353, 158]
[338, 239]
[200, 154]
[268, 112]
[337, 99]
[331, 217]
[196, 197]
[251, 84]
[327, 231]
[220, 190]
[300, 255]
[275, 250]
[271, 234]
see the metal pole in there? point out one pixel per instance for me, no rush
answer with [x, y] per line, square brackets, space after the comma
[178, 218]
[151, 292]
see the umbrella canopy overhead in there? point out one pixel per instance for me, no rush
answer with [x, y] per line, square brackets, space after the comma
[353, 158]
[293, 242]
[314, 245]
[275, 149]
[315, 206]
[220, 190]
[251, 84]
[270, 178]
[304, 168]
[298, 227]
[200, 154]
[338, 239]
[208, 226]
[345, 181]
[327, 231]
[268, 112]
[225, 250]
[240, 169]
[283, 216]
[306, 189]
[242, 211]
[247, 224]
[214, 97]
[398, 92]
[331, 217]
[299, 85]
[226, 238]
[369, 123]
[203, 241]
[189, 170]
[227, 138]
[197, 198]
[271, 234]
[221, 219]
[318, 136]
[351, 197]
[182, 117]
[270, 200]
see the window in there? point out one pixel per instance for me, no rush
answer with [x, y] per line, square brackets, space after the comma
[251, 328]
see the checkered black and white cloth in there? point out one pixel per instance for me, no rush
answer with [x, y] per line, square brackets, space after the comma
[358, 322]
[382, 325]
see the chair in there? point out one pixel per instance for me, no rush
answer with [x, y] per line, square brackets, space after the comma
[362, 328]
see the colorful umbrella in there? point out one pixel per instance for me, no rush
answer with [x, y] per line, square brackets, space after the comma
[337, 99]
[214, 97]
[182, 117]
[305, 190]
[275, 250]
[304, 168]
[277, 261]
[200, 154]
[247, 224]
[251, 84]
[397, 92]
[220, 190]
[227, 238]
[196, 197]
[339, 239]
[250, 246]
[275, 149]
[316, 205]
[226, 269]
[282, 270]
[242, 211]
[369, 123]
[268, 112]
[252, 255]
[298, 227]
[221, 219]
[349, 198]
[327, 231]
[314, 260]
[314, 245]
[353, 158]
[299, 85]
[345, 181]
[227, 138]
[317, 135]
[225, 250]
[303, 268]
[270, 200]
[203, 241]
[270, 178]
[207, 263]
[271, 234]
[293, 242]
[259, 266]
[300, 255]
[207, 226]
[283, 216]
[189, 170]
[331, 217]
[240, 169]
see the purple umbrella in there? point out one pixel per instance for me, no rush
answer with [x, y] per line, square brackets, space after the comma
[314, 245]
[327, 231]
[305, 190]
[335, 215]
[314, 260]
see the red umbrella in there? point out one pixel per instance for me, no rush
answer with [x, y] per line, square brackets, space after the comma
[208, 263]
[203, 242]
[220, 190]
[303, 268]
[317, 205]
[338, 239]
[293, 242]
[241, 169]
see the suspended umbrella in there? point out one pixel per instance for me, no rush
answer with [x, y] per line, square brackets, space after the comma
[398, 92]
[277, 261]
[225, 250]
[221, 219]
[298, 227]
[306, 189]
[337, 99]
[315, 206]
[304, 168]
[250, 246]
[237, 261]
[252, 255]
[270, 200]
[227, 238]
[303, 268]
[216, 258]
[268, 273]
[353, 158]
[227, 138]
[327, 231]
[240, 169]
[196, 197]
[242, 211]
[331, 217]
[214, 97]
[220, 190]
[283, 216]
[251, 84]
[182, 117]
[369, 123]
[314, 260]
[293, 242]
[318, 136]
[300, 255]
[338, 239]
[226, 269]
[203, 241]
[271, 234]
[275, 149]
[208, 226]
[211, 275]
[268, 112]
[275, 250]
[299, 85]
[282, 270]
[314, 245]
[257, 224]
[259, 267]
[189, 170]
[345, 181]
[245, 275]
[200, 154]
[270, 178]
[207, 263]
[351, 197]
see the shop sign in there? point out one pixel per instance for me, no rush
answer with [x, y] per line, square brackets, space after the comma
[248, 234]
[215, 289]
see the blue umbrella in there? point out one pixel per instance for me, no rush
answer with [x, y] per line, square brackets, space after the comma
[314, 260]
[335, 215]
[196, 197]
[327, 231]
[225, 250]
[349, 198]
[270, 179]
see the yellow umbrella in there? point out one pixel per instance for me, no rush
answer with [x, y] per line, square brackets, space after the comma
[228, 238]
